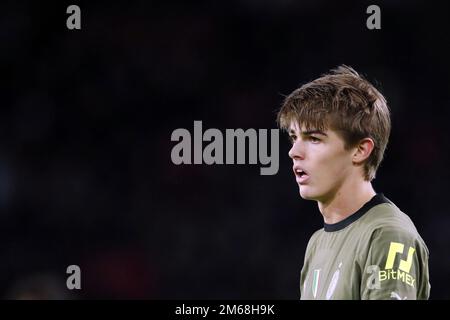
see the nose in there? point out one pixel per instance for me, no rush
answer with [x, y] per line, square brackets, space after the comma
[297, 151]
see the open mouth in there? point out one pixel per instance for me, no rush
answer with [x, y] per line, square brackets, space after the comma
[300, 175]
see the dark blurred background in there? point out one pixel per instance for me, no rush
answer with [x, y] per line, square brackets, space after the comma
[86, 118]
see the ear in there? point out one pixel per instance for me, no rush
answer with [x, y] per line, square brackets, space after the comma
[363, 150]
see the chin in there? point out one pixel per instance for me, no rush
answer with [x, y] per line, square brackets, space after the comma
[307, 194]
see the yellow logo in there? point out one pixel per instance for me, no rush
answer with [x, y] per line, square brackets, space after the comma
[398, 248]
[404, 267]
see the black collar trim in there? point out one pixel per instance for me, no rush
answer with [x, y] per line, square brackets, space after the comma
[377, 199]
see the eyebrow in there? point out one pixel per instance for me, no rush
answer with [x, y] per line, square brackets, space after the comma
[310, 132]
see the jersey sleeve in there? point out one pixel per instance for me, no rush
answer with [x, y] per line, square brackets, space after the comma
[396, 266]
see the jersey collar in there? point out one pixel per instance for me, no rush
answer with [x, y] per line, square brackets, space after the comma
[377, 199]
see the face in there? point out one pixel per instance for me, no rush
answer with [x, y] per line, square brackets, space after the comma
[320, 162]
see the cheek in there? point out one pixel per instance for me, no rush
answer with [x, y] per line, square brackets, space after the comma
[332, 165]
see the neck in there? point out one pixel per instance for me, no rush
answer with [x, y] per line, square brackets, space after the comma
[346, 201]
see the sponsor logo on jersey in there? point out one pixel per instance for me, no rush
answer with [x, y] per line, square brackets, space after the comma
[400, 273]
[391, 270]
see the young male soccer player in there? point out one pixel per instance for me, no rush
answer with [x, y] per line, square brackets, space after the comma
[339, 126]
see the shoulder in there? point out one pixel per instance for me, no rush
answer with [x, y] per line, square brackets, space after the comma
[387, 217]
[393, 251]
[316, 234]
[313, 240]
[386, 224]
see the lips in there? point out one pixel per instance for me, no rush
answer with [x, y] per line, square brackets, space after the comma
[301, 176]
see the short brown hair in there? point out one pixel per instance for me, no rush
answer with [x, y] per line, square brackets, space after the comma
[344, 101]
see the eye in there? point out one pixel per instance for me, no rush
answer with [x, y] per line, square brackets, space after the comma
[314, 139]
[292, 138]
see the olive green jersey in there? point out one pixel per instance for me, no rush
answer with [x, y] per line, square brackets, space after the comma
[376, 253]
